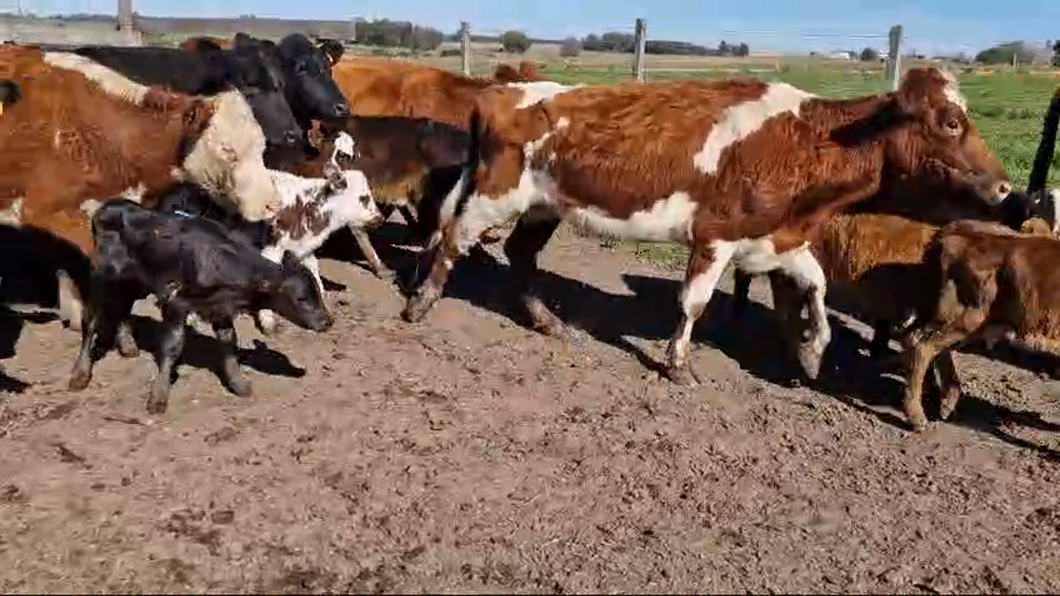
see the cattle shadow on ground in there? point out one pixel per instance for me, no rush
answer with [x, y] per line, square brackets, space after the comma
[651, 312]
[387, 240]
[204, 351]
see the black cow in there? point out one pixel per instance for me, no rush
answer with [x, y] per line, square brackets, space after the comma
[252, 71]
[310, 90]
[190, 265]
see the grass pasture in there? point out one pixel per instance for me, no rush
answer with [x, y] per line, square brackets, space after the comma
[1007, 104]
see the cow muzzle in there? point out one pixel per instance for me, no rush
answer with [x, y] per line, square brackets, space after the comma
[992, 190]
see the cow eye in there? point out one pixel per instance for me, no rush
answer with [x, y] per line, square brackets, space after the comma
[953, 126]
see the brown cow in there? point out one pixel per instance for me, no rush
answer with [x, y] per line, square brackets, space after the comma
[928, 205]
[384, 87]
[982, 281]
[866, 256]
[740, 170]
[82, 133]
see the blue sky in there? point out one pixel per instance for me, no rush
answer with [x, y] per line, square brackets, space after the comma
[930, 25]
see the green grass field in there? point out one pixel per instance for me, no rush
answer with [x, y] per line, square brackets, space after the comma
[1007, 107]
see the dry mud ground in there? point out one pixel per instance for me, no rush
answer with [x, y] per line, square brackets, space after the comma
[469, 454]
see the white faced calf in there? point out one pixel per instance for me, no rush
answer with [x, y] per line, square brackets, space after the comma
[314, 208]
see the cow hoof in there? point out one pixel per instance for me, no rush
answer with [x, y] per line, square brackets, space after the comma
[683, 376]
[420, 303]
[127, 347]
[918, 426]
[543, 320]
[266, 324]
[73, 323]
[157, 401]
[240, 386]
[948, 405]
[810, 357]
[79, 380]
[385, 274]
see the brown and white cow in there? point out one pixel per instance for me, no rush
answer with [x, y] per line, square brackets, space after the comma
[82, 133]
[741, 170]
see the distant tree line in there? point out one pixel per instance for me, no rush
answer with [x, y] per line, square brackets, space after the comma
[625, 43]
[387, 33]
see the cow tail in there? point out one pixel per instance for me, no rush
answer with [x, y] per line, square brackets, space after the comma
[1044, 156]
[476, 133]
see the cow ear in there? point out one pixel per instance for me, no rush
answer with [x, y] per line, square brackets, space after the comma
[242, 40]
[913, 97]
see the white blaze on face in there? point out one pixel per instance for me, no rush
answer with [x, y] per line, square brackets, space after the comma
[740, 121]
[344, 144]
[952, 90]
[537, 91]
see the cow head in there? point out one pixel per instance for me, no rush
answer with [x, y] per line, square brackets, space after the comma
[297, 297]
[311, 90]
[930, 139]
[250, 70]
[226, 156]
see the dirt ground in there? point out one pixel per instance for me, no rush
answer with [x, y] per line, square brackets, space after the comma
[468, 454]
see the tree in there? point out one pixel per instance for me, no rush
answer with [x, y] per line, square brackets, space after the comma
[1056, 53]
[869, 55]
[570, 47]
[515, 42]
[743, 50]
[1004, 54]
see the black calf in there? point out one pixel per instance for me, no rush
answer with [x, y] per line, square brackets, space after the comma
[190, 265]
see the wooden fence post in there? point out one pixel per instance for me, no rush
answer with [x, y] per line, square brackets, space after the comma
[894, 56]
[641, 37]
[465, 47]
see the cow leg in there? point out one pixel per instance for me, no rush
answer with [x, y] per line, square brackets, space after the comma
[923, 347]
[949, 383]
[407, 215]
[265, 319]
[231, 373]
[91, 346]
[174, 320]
[458, 235]
[881, 339]
[71, 306]
[522, 247]
[126, 299]
[806, 272]
[365, 244]
[705, 266]
[741, 293]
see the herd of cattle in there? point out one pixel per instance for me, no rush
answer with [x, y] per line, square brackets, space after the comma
[208, 175]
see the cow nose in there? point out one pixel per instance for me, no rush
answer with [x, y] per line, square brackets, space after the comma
[1004, 187]
[291, 138]
[341, 110]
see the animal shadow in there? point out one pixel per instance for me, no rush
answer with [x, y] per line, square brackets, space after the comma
[650, 313]
[386, 239]
[204, 352]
